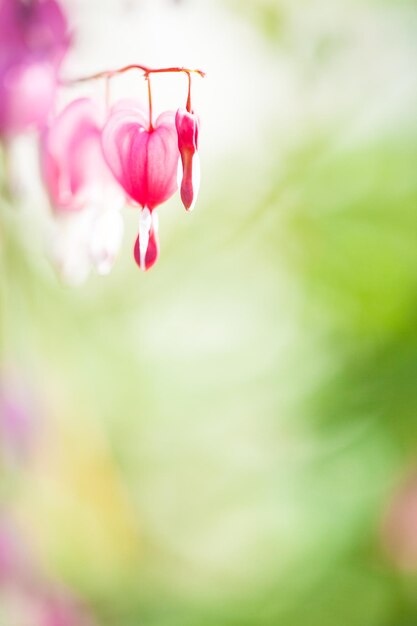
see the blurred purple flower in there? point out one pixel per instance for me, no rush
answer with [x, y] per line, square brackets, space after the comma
[16, 418]
[399, 526]
[34, 38]
[187, 124]
[24, 588]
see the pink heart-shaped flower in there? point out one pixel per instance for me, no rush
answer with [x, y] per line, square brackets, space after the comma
[144, 160]
[72, 162]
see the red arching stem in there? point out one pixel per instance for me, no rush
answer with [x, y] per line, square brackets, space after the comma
[188, 105]
[148, 79]
[107, 93]
[146, 71]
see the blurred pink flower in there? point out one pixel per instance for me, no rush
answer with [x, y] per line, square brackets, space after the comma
[17, 417]
[144, 160]
[14, 562]
[399, 526]
[72, 164]
[33, 40]
[63, 611]
[187, 125]
[25, 592]
[83, 192]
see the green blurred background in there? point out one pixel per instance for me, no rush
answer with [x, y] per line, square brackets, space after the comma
[229, 439]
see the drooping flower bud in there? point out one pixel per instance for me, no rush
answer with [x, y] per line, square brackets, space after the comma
[187, 126]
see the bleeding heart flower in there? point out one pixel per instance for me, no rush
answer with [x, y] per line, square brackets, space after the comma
[82, 190]
[72, 163]
[33, 41]
[187, 125]
[144, 159]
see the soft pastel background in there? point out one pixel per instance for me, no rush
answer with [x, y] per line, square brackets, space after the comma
[230, 439]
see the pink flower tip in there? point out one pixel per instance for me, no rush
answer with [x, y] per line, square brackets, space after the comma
[187, 125]
[146, 250]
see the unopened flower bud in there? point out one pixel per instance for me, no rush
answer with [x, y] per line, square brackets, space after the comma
[187, 125]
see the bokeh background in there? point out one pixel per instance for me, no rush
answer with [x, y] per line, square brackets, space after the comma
[231, 438]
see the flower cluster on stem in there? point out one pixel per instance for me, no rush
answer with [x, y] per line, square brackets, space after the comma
[147, 158]
[95, 156]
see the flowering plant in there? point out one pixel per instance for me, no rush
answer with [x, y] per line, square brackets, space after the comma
[148, 158]
[94, 157]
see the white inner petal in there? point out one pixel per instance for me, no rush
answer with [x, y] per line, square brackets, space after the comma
[196, 177]
[145, 223]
